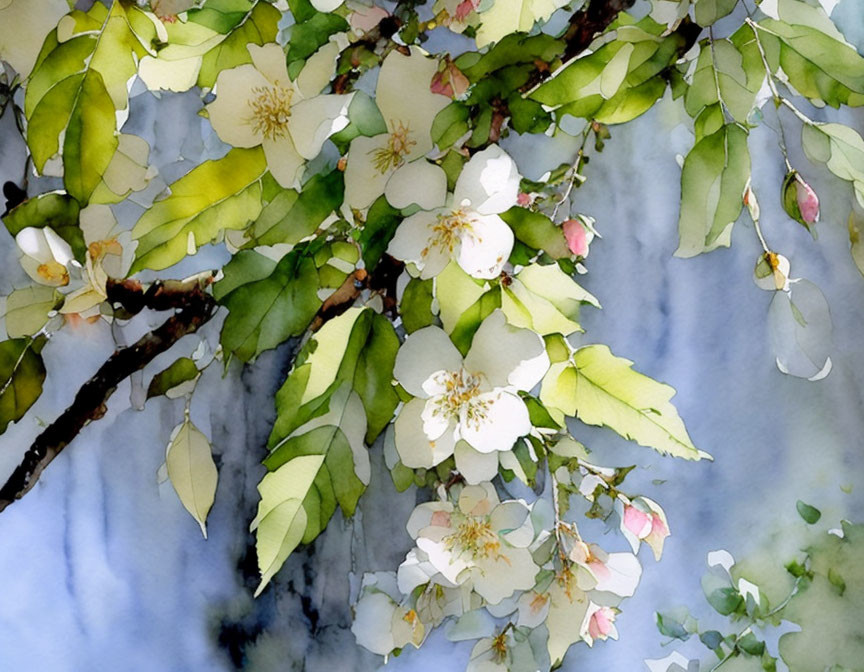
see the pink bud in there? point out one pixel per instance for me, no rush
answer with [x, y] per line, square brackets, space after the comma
[808, 202]
[450, 81]
[600, 624]
[524, 199]
[463, 9]
[439, 85]
[577, 237]
[638, 522]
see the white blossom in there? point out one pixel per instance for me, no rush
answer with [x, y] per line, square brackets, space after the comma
[467, 228]
[467, 407]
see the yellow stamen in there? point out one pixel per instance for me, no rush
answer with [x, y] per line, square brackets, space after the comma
[54, 272]
[475, 538]
[460, 400]
[398, 145]
[271, 109]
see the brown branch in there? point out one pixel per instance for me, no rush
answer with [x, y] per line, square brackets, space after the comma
[195, 306]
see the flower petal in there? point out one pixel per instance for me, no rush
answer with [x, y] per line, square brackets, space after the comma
[404, 97]
[363, 181]
[317, 71]
[475, 467]
[499, 576]
[423, 353]
[414, 447]
[507, 355]
[485, 249]
[314, 120]
[284, 162]
[489, 182]
[372, 617]
[506, 420]
[269, 60]
[412, 237]
[420, 182]
[623, 576]
[230, 114]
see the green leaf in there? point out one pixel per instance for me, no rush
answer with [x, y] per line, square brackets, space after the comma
[463, 332]
[27, 309]
[221, 15]
[21, 376]
[537, 231]
[450, 124]
[840, 148]
[259, 27]
[58, 212]
[706, 12]
[726, 601]
[749, 644]
[381, 222]
[337, 434]
[76, 88]
[292, 216]
[545, 299]
[308, 36]
[738, 74]
[265, 312]
[712, 184]
[217, 195]
[810, 514]
[416, 305]
[192, 471]
[712, 639]
[670, 624]
[373, 377]
[814, 55]
[601, 389]
[281, 520]
[170, 381]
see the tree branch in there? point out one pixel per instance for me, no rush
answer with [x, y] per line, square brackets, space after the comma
[194, 308]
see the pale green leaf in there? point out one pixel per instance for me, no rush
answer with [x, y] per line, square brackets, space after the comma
[27, 309]
[281, 520]
[192, 471]
[175, 381]
[712, 185]
[602, 389]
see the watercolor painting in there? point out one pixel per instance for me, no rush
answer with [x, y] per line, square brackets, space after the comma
[431, 335]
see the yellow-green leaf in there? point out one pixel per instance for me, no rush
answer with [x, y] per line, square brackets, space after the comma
[27, 309]
[281, 519]
[217, 195]
[21, 376]
[602, 389]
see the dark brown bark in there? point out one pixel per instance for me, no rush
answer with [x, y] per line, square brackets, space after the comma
[194, 308]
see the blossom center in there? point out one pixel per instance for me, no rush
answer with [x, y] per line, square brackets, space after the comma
[101, 248]
[475, 538]
[54, 272]
[398, 145]
[461, 397]
[449, 231]
[271, 109]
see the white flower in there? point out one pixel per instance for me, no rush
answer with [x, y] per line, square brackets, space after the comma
[392, 163]
[109, 254]
[481, 542]
[468, 229]
[469, 406]
[381, 624]
[257, 104]
[46, 255]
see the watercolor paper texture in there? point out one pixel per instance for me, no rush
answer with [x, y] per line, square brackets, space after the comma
[212, 516]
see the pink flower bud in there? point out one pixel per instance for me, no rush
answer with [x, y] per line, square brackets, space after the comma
[600, 625]
[799, 200]
[449, 81]
[638, 522]
[577, 237]
[524, 199]
[808, 202]
[463, 9]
